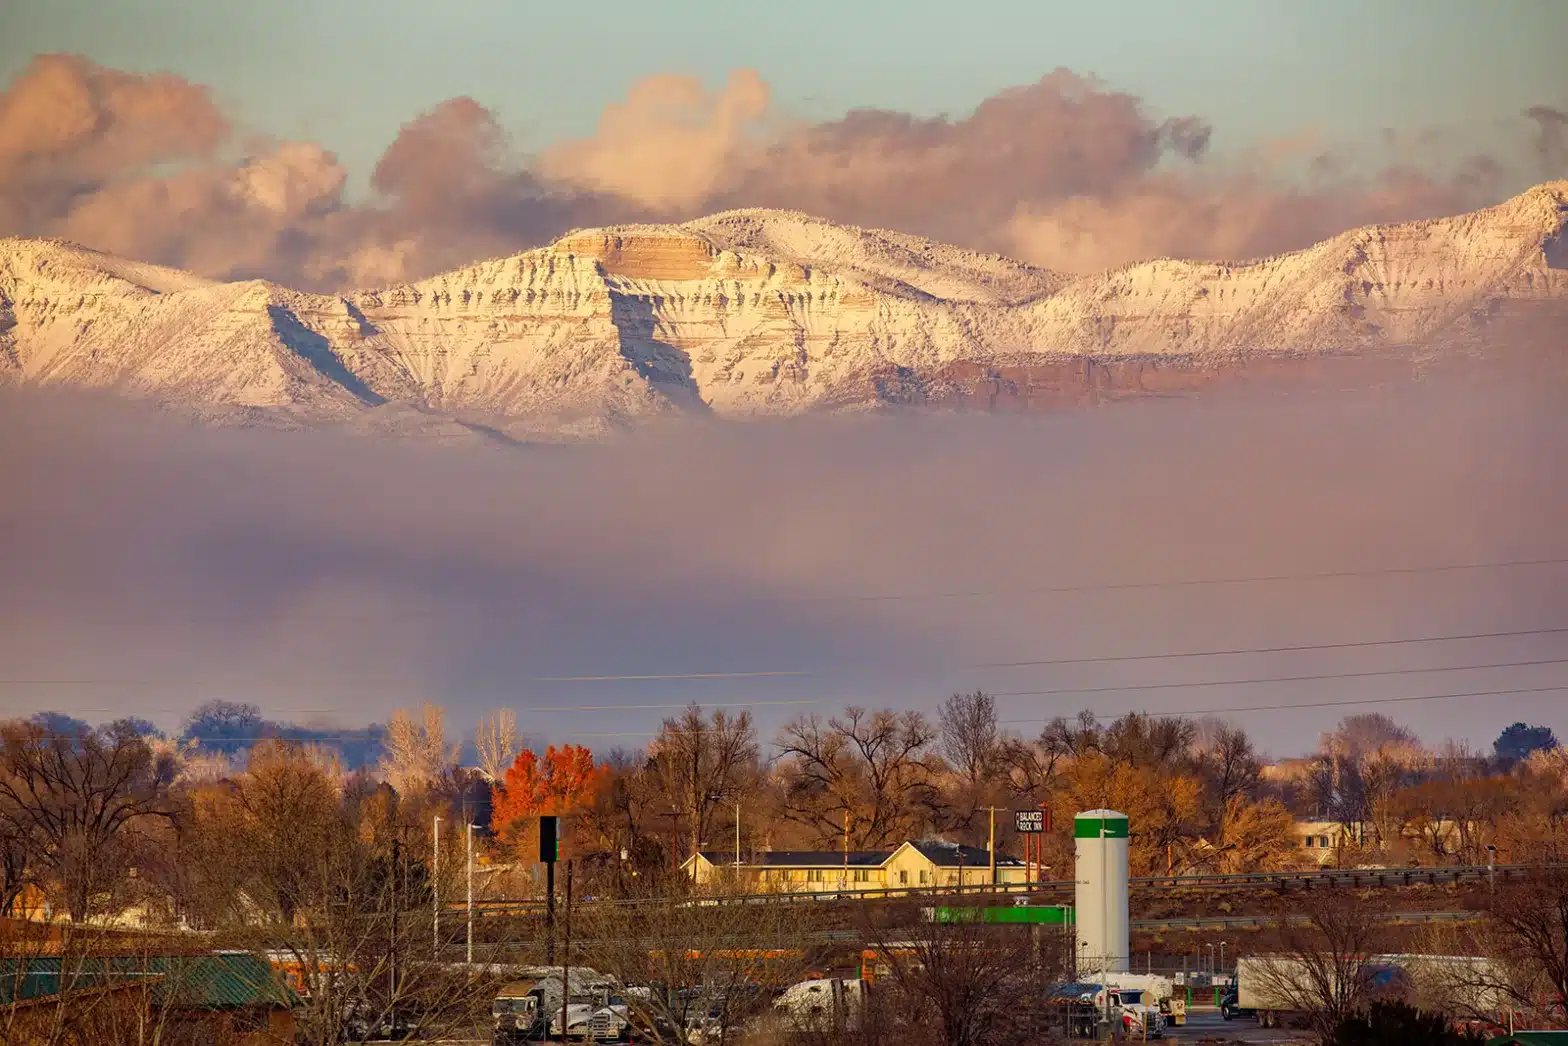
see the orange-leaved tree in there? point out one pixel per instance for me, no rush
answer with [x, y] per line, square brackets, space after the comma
[563, 782]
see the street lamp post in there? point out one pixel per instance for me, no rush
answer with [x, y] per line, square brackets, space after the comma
[435, 886]
[1222, 956]
[470, 891]
[1211, 962]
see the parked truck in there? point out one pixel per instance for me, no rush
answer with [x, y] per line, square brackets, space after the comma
[1131, 1011]
[1161, 991]
[515, 1013]
[1280, 989]
[823, 1004]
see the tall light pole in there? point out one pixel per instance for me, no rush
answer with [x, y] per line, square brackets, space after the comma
[470, 828]
[435, 880]
[992, 844]
[737, 839]
[1222, 956]
[843, 882]
[1211, 961]
[1105, 931]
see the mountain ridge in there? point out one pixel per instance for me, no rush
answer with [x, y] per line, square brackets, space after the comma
[754, 313]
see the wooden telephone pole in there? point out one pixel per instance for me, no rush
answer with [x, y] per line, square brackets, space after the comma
[992, 847]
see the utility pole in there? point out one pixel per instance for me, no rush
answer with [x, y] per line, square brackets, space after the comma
[566, 952]
[392, 954]
[549, 913]
[844, 881]
[992, 844]
[675, 840]
[470, 826]
[435, 887]
[549, 848]
[737, 840]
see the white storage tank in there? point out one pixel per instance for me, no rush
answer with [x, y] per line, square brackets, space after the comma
[1100, 838]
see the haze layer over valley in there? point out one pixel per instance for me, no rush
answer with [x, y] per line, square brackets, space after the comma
[153, 563]
[758, 313]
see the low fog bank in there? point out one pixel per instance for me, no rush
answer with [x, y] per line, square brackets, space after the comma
[147, 564]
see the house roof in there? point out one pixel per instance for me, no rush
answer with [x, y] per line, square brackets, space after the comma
[222, 981]
[951, 855]
[799, 858]
[943, 855]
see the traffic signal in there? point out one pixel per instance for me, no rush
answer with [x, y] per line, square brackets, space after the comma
[549, 839]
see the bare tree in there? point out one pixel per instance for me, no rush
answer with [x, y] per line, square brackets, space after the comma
[697, 763]
[497, 743]
[1072, 738]
[417, 754]
[334, 884]
[1358, 736]
[971, 742]
[957, 982]
[77, 798]
[14, 845]
[1031, 767]
[869, 768]
[710, 962]
[1526, 933]
[1144, 741]
[282, 814]
[1321, 969]
[84, 986]
[969, 736]
[1227, 764]
[1360, 769]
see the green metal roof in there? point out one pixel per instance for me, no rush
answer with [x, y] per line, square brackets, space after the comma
[202, 982]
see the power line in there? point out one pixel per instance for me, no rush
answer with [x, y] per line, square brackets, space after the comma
[666, 676]
[800, 673]
[1058, 691]
[1323, 575]
[888, 597]
[1324, 704]
[1232, 708]
[1280, 679]
[1294, 648]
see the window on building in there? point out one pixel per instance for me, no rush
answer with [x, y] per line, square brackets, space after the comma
[922, 877]
[903, 877]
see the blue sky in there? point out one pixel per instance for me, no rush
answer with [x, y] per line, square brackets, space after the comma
[347, 73]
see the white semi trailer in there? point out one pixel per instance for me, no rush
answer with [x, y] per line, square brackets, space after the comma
[1280, 989]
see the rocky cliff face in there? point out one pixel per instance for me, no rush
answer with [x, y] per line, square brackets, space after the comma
[756, 313]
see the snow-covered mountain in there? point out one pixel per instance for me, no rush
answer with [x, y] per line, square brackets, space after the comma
[755, 313]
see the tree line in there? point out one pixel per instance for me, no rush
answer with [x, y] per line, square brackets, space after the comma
[80, 805]
[279, 847]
